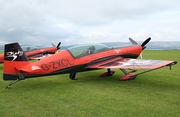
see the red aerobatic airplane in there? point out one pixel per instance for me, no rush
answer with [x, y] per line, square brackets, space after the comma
[77, 59]
[36, 53]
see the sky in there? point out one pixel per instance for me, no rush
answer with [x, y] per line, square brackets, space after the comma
[42, 22]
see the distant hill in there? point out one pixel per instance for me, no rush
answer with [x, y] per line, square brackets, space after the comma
[150, 46]
[62, 47]
[163, 45]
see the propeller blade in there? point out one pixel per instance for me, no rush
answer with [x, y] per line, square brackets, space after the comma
[145, 42]
[133, 42]
[58, 46]
[53, 45]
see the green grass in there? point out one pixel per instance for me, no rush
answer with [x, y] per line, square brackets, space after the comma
[154, 94]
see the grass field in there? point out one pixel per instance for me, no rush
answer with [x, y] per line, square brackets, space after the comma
[154, 94]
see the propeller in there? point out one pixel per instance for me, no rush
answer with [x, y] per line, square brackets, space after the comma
[58, 45]
[143, 44]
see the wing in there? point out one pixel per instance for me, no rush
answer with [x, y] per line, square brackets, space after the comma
[126, 63]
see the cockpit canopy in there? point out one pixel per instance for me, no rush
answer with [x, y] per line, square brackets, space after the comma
[86, 49]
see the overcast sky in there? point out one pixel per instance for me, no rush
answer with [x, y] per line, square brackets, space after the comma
[42, 22]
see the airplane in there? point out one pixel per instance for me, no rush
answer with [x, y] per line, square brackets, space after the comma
[33, 52]
[80, 58]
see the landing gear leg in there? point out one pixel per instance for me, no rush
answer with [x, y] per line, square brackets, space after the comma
[124, 71]
[72, 75]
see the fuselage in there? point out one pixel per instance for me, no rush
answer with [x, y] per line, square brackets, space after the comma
[66, 61]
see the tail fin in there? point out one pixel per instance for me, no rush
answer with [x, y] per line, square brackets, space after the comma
[14, 59]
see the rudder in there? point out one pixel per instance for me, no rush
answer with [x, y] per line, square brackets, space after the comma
[14, 59]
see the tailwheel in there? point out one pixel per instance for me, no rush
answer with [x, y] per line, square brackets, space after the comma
[109, 72]
[129, 76]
